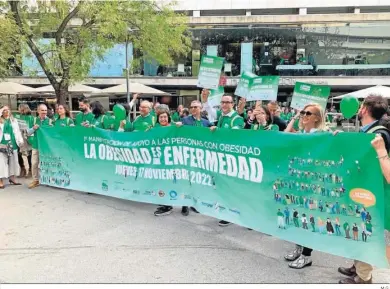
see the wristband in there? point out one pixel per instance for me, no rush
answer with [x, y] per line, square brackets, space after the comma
[383, 157]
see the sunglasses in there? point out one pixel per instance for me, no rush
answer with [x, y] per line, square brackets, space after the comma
[307, 113]
[226, 102]
[194, 107]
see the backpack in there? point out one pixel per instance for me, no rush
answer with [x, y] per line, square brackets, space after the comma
[382, 130]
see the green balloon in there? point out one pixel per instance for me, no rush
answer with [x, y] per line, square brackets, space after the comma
[119, 112]
[349, 106]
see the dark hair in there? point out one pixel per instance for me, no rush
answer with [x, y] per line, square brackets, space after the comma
[186, 112]
[97, 109]
[248, 110]
[376, 105]
[163, 112]
[67, 111]
[84, 100]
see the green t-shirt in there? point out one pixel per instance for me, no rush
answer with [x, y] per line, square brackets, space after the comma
[176, 117]
[33, 140]
[55, 116]
[8, 131]
[234, 121]
[67, 121]
[84, 117]
[346, 226]
[280, 214]
[143, 123]
[102, 121]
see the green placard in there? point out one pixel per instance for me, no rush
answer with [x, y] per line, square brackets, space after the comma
[215, 96]
[210, 72]
[309, 189]
[244, 85]
[263, 88]
[305, 93]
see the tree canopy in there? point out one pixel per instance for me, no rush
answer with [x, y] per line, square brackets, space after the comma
[80, 33]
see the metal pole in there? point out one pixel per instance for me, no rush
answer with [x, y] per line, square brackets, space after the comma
[127, 70]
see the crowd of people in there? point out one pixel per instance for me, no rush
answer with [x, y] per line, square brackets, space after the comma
[19, 150]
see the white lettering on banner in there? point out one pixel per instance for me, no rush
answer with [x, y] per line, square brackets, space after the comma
[241, 166]
[217, 162]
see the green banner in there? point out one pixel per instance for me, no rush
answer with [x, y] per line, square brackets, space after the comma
[263, 88]
[210, 71]
[309, 189]
[305, 93]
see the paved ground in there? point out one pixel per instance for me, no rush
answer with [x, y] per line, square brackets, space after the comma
[50, 235]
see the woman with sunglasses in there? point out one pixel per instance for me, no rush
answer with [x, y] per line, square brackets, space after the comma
[261, 119]
[311, 120]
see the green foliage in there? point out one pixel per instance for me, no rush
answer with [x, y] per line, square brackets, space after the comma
[8, 42]
[82, 31]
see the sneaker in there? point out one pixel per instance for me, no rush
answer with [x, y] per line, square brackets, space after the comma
[224, 223]
[33, 184]
[301, 262]
[185, 211]
[194, 210]
[163, 211]
[294, 254]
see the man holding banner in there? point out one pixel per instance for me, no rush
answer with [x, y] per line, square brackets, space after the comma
[145, 120]
[195, 119]
[39, 121]
[229, 119]
[371, 112]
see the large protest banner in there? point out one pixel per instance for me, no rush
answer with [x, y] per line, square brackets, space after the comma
[309, 189]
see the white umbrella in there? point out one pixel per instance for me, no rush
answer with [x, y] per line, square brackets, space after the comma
[383, 91]
[77, 88]
[134, 88]
[13, 88]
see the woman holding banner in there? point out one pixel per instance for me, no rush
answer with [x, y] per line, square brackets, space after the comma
[312, 120]
[163, 120]
[64, 118]
[100, 120]
[10, 140]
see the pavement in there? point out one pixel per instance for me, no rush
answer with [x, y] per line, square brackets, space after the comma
[50, 235]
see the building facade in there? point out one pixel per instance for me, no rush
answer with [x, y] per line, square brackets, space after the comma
[344, 44]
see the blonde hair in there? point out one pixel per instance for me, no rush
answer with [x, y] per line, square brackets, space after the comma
[320, 113]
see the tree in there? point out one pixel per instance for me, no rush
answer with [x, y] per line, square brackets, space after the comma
[82, 31]
[8, 39]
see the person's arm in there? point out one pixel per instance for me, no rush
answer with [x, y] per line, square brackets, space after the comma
[132, 102]
[290, 126]
[211, 111]
[383, 156]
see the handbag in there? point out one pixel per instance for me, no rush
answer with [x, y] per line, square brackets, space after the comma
[6, 149]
